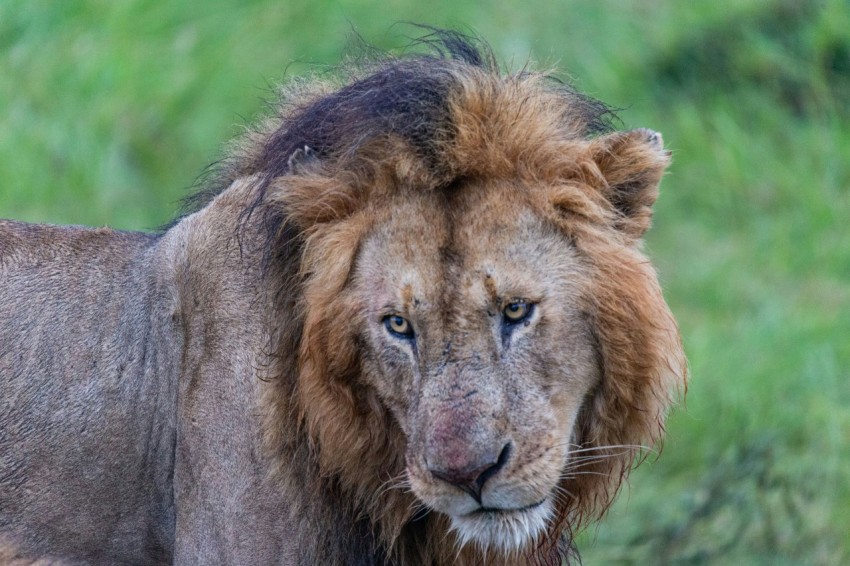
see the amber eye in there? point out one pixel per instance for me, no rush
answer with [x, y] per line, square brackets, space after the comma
[517, 312]
[399, 326]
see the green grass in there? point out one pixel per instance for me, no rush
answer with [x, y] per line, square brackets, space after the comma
[108, 111]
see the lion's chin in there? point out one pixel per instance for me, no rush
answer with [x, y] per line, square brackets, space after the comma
[502, 530]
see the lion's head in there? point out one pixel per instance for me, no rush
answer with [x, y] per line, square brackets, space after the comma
[483, 348]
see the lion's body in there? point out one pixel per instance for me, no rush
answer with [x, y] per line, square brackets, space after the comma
[412, 325]
[95, 343]
[154, 406]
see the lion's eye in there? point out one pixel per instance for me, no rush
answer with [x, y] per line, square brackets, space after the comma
[517, 312]
[399, 326]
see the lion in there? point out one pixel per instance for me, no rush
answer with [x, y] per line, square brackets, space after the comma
[407, 321]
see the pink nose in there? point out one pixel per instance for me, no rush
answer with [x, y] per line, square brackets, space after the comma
[472, 475]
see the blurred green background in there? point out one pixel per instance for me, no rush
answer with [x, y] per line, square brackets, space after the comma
[109, 110]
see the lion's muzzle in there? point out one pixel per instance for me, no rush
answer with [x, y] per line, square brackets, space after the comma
[471, 457]
[463, 441]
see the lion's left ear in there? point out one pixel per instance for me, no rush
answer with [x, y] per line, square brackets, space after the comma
[631, 164]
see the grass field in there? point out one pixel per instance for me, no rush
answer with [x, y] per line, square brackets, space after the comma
[108, 111]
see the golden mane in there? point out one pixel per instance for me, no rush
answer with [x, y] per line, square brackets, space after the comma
[327, 163]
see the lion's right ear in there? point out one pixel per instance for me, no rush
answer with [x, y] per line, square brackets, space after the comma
[631, 164]
[309, 195]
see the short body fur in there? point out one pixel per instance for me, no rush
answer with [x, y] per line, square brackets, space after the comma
[233, 390]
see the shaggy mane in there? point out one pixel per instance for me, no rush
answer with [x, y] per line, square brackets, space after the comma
[407, 98]
[429, 121]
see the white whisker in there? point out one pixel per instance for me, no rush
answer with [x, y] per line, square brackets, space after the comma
[579, 449]
[583, 473]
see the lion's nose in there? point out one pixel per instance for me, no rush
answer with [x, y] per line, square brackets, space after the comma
[472, 477]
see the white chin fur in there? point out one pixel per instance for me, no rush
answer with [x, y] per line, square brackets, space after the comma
[504, 531]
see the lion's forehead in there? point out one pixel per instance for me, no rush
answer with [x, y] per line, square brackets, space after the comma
[489, 243]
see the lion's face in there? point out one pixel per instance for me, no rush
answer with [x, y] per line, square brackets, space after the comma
[475, 339]
[498, 310]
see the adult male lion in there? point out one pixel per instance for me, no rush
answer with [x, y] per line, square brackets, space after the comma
[410, 323]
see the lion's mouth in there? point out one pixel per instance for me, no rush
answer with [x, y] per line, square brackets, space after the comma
[506, 511]
[507, 529]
